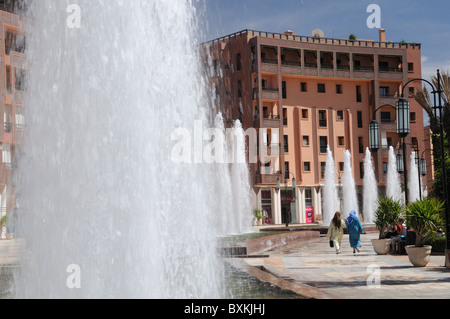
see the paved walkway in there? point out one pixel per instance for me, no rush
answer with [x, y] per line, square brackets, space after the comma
[354, 276]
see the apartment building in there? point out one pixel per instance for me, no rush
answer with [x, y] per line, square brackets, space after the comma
[12, 83]
[304, 94]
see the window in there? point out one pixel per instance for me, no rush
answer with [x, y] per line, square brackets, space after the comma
[321, 88]
[323, 165]
[341, 141]
[341, 166]
[304, 113]
[338, 89]
[323, 144]
[385, 117]
[359, 118]
[360, 145]
[413, 117]
[286, 144]
[283, 88]
[305, 140]
[303, 87]
[358, 94]
[307, 166]
[385, 166]
[412, 90]
[239, 88]
[361, 170]
[322, 118]
[340, 115]
[414, 141]
[384, 91]
[285, 120]
[410, 67]
[308, 197]
[286, 170]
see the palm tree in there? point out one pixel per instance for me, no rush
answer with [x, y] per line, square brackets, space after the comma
[423, 98]
[427, 102]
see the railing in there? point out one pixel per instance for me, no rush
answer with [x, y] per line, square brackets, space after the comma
[327, 66]
[269, 61]
[343, 67]
[363, 68]
[291, 63]
[311, 65]
[387, 69]
[309, 39]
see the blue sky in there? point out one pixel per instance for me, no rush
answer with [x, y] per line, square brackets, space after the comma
[425, 22]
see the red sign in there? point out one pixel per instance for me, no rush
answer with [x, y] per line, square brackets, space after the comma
[309, 211]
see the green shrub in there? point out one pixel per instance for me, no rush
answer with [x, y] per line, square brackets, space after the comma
[387, 215]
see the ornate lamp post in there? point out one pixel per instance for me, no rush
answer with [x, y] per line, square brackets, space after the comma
[437, 97]
[403, 129]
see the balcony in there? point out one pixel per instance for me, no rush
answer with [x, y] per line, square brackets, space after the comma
[270, 94]
[388, 126]
[268, 178]
[388, 73]
[269, 65]
[291, 67]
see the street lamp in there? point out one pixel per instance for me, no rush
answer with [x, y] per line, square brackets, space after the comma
[437, 97]
[294, 187]
[400, 167]
[403, 129]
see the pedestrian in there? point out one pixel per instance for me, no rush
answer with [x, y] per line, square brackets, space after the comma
[354, 229]
[336, 231]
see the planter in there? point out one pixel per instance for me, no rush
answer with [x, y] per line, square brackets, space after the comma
[418, 256]
[381, 246]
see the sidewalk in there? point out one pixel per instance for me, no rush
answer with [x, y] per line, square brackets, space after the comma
[314, 264]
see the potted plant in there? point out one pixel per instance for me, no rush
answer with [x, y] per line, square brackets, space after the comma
[386, 215]
[258, 216]
[3, 222]
[425, 218]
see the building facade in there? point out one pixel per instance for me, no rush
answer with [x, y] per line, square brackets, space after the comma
[13, 76]
[304, 94]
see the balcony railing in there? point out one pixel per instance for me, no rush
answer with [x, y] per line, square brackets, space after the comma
[327, 66]
[291, 63]
[363, 68]
[269, 61]
[387, 69]
[310, 65]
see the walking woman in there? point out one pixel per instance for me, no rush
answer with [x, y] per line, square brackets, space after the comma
[354, 229]
[336, 231]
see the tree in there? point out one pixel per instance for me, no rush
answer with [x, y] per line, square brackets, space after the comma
[426, 100]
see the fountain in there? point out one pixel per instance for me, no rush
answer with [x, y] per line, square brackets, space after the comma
[349, 190]
[393, 187]
[99, 197]
[414, 186]
[370, 189]
[330, 195]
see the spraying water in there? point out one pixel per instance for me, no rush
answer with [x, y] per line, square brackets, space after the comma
[414, 188]
[393, 187]
[330, 195]
[100, 195]
[350, 197]
[370, 189]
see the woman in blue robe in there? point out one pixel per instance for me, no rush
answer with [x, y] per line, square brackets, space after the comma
[354, 229]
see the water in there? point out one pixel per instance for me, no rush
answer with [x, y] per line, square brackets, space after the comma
[393, 187]
[349, 189]
[370, 189]
[330, 194]
[413, 186]
[97, 187]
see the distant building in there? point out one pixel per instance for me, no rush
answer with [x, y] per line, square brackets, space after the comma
[13, 76]
[316, 92]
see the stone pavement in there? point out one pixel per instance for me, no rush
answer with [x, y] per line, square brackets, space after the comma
[354, 276]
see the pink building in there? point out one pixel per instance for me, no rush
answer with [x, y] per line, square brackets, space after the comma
[308, 93]
[12, 83]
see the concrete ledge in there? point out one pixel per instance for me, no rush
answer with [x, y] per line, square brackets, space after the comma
[263, 244]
